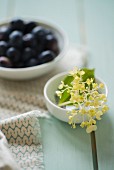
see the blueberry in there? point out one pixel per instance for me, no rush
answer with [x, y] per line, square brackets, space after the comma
[29, 26]
[39, 32]
[32, 62]
[4, 33]
[19, 65]
[27, 54]
[40, 48]
[17, 24]
[5, 62]
[3, 48]
[13, 54]
[48, 31]
[46, 56]
[15, 39]
[29, 40]
[51, 43]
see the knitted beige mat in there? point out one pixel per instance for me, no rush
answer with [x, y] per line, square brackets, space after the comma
[18, 97]
[24, 138]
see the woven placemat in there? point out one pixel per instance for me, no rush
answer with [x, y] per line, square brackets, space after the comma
[17, 97]
[24, 138]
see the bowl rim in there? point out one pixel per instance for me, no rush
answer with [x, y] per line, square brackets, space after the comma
[60, 75]
[50, 24]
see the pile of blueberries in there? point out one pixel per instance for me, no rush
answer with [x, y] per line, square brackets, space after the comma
[26, 44]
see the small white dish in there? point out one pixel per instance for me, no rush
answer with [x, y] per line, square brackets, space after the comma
[49, 94]
[36, 71]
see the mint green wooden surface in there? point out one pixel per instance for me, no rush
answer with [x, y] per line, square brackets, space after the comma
[90, 22]
[3, 9]
[100, 40]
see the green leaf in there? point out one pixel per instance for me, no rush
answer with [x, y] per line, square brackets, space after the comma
[89, 73]
[68, 79]
[66, 96]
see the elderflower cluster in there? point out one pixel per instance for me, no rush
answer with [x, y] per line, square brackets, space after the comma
[87, 99]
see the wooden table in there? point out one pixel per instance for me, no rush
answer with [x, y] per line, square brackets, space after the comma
[90, 23]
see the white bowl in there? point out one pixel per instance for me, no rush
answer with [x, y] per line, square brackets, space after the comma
[49, 94]
[36, 71]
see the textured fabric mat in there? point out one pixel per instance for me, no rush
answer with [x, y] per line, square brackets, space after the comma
[23, 135]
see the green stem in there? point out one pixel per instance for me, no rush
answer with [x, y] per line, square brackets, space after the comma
[65, 103]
